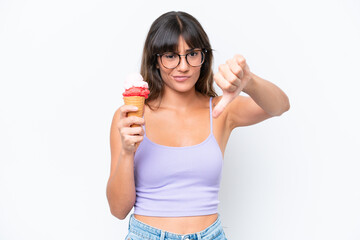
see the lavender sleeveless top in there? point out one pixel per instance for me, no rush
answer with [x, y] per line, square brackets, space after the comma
[178, 181]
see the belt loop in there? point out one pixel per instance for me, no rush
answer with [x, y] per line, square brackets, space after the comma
[162, 236]
[198, 236]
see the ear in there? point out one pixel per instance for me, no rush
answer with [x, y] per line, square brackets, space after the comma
[157, 66]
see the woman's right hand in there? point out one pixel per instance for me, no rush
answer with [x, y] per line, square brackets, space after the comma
[130, 135]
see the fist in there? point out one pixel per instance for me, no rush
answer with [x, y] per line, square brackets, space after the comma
[232, 78]
[130, 136]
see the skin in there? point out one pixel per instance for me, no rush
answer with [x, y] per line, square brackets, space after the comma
[180, 100]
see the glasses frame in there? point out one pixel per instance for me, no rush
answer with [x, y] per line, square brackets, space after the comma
[203, 54]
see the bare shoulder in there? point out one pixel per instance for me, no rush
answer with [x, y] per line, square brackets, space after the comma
[115, 120]
[116, 115]
[114, 131]
[115, 140]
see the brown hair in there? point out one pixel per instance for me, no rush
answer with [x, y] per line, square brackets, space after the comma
[163, 36]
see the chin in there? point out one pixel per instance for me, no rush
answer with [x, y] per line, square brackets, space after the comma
[184, 89]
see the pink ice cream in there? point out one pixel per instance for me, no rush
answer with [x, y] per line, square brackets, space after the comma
[136, 86]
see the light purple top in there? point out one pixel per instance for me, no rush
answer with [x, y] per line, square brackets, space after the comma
[178, 181]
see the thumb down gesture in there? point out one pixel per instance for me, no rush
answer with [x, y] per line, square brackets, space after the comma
[232, 78]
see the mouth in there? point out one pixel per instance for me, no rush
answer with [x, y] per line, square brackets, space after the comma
[180, 78]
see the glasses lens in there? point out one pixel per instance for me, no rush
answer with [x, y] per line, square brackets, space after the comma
[195, 58]
[170, 60]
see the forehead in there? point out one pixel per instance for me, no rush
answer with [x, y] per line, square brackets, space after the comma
[175, 42]
[182, 45]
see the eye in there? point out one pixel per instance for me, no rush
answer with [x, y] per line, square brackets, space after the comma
[193, 54]
[169, 55]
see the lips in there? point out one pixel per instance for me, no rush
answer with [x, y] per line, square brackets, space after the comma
[181, 78]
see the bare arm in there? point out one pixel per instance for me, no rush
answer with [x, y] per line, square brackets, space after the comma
[266, 99]
[120, 189]
[267, 95]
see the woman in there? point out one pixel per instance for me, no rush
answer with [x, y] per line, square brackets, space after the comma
[172, 177]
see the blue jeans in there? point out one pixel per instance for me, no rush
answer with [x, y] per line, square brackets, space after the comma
[139, 230]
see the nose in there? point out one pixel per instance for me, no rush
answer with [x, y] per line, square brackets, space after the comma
[183, 65]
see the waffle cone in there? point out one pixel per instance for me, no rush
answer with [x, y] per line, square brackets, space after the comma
[137, 101]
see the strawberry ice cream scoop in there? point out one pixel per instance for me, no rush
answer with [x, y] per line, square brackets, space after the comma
[136, 86]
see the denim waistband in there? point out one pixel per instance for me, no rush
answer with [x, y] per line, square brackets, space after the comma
[151, 233]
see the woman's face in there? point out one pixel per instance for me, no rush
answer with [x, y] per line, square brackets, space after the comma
[183, 77]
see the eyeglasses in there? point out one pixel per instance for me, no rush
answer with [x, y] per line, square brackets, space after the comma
[171, 60]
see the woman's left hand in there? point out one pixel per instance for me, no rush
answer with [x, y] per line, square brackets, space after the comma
[232, 78]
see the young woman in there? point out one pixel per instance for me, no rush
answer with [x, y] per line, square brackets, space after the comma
[172, 177]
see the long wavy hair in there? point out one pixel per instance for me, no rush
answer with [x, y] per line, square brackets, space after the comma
[163, 37]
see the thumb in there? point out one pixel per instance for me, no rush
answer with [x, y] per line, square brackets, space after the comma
[225, 100]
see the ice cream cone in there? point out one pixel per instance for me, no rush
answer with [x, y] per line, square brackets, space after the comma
[136, 91]
[137, 101]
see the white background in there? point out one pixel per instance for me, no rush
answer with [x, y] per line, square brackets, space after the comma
[62, 65]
